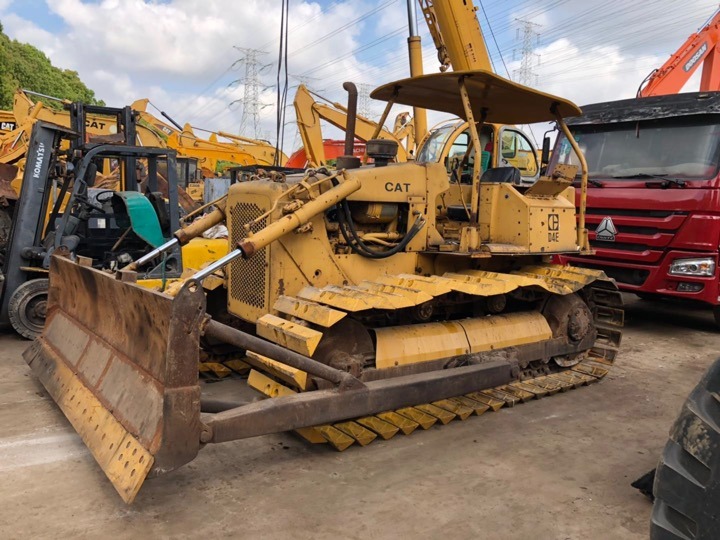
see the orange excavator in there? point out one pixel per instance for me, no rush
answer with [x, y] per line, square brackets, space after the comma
[700, 48]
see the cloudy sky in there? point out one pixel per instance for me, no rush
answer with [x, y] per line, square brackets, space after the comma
[188, 56]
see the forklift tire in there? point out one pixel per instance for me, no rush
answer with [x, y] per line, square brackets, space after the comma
[687, 482]
[5, 226]
[27, 308]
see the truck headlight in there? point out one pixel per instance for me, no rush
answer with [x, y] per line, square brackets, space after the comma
[692, 267]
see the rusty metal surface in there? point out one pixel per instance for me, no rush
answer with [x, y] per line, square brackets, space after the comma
[324, 406]
[7, 175]
[226, 334]
[132, 350]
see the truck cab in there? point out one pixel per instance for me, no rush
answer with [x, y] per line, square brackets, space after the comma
[653, 200]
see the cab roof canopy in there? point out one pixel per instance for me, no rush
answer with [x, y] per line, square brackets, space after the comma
[505, 101]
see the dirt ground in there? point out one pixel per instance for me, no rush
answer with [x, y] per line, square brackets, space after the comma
[558, 468]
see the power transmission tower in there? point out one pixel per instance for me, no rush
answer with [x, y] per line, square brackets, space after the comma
[364, 103]
[250, 122]
[307, 81]
[530, 37]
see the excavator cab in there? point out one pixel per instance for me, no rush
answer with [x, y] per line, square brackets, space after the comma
[363, 306]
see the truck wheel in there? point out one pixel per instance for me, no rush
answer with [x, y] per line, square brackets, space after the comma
[27, 308]
[687, 482]
[716, 314]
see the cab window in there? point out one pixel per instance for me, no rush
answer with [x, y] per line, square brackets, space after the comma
[457, 153]
[516, 151]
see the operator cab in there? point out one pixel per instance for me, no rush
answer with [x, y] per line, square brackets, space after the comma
[448, 143]
[470, 219]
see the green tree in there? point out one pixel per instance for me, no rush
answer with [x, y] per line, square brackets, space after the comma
[24, 66]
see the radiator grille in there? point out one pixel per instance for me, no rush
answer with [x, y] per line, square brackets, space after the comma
[247, 276]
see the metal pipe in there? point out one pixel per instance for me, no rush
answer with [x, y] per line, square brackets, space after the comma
[416, 69]
[167, 246]
[217, 265]
[351, 118]
[326, 406]
[412, 18]
[173, 122]
[474, 135]
[582, 235]
[30, 92]
[227, 334]
[195, 212]
[383, 119]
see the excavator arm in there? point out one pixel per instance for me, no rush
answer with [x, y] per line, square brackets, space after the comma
[309, 113]
[240, 150]
[700, 48]
[404, 129]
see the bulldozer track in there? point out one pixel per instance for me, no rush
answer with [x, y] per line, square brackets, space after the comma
[605, 302]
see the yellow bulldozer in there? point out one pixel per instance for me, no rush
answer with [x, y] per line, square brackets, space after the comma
[369, 300]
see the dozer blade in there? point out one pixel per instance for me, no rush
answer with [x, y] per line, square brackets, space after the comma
[122, 364]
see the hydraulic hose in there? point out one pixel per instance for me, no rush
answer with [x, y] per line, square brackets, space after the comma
[351, 236]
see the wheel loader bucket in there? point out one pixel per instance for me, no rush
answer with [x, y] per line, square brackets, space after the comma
[121, 362]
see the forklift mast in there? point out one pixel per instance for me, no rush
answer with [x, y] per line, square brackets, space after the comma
[54, 200]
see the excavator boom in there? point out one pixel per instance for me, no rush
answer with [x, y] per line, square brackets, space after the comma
[701, 48]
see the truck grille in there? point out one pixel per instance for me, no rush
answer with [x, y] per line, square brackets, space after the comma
[247, 276]
[642, 235]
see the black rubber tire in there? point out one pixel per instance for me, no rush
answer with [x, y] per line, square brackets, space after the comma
[716, 314]
[26, 308]
[687, 482]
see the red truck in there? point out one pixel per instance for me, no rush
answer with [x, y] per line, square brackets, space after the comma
[653, 204]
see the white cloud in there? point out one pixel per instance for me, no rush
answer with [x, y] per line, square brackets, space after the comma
[174, 51]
